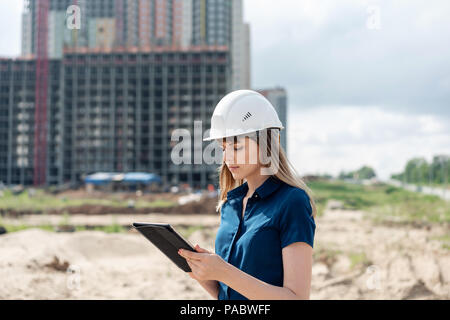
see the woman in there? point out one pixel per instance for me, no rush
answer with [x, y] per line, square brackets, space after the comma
[263, 247]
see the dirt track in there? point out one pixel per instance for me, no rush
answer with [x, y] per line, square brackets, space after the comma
[354, 259]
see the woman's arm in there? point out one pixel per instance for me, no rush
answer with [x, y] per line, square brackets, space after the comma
[253, 288]
[211, 286]
[297, 265]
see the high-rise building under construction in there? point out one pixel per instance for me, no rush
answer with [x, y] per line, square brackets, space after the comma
[143, 24]
[107, 96]
[112, 112]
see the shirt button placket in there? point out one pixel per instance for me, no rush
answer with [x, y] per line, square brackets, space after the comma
[233, 240]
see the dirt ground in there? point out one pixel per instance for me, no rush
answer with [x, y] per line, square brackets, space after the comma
[358, 259]
[96, 194]
[354, 258]
[204, 205]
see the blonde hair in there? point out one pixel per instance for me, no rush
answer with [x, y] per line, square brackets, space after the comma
[286, 172]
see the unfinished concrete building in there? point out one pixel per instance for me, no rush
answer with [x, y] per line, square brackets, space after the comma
[110, 111]
[142, 24]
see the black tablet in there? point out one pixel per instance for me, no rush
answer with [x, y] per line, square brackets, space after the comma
[166, 239]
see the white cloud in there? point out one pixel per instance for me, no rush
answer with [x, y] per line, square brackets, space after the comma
[333, 139]
[10, 27]
[323, 53]
[356, 96]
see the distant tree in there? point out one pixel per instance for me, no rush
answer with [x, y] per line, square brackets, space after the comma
[364, 172]
[419, 171]
[343, 175]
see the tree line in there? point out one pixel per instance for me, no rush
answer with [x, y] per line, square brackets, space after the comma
[419, 171]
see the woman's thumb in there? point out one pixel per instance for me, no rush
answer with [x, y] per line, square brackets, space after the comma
[197, 247]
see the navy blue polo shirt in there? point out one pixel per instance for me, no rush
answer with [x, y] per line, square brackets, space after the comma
[276, 215]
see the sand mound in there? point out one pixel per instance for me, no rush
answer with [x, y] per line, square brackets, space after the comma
[38, 264]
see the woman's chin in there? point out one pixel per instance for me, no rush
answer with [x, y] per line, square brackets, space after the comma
[236, 175]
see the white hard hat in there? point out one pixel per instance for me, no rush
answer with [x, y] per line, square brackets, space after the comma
[241, 112]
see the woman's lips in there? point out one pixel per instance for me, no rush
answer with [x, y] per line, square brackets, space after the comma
[233, 168]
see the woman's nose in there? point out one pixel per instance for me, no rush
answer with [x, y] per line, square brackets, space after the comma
[229, 156]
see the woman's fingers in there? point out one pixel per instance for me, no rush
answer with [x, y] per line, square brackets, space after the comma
[199, 249]
[189, 254]
[194, 266]
[194, 263]
[189, 264]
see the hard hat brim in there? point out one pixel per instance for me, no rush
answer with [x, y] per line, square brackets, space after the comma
[232, 135]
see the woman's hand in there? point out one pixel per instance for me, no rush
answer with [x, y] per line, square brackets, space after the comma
[204, 264]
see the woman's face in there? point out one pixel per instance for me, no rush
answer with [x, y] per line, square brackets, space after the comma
[242, 157]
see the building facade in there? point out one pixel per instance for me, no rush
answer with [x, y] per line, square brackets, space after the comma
[143, 24]
[112, 111]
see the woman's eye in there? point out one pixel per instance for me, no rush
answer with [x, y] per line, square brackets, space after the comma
[235, 148]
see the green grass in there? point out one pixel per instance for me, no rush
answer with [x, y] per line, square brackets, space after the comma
[22, 226]
[65, 219]
[108, 229]
[320, 204]
[445, 239]
[358, 259]
[329, 255]
[325, 255]
[382, 201]
[43, 201]
[114, 227]
[187, 231]
[155, 204]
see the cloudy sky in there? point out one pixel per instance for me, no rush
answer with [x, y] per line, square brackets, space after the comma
[368, 82]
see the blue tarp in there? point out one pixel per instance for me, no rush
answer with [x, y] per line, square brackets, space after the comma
[99, 178]
[141, 177]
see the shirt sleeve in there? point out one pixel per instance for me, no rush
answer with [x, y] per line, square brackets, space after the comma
[296, 223]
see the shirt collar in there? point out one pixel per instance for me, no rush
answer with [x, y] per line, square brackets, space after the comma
[269, 185]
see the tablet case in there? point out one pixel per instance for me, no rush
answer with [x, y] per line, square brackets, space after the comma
[167, 240]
